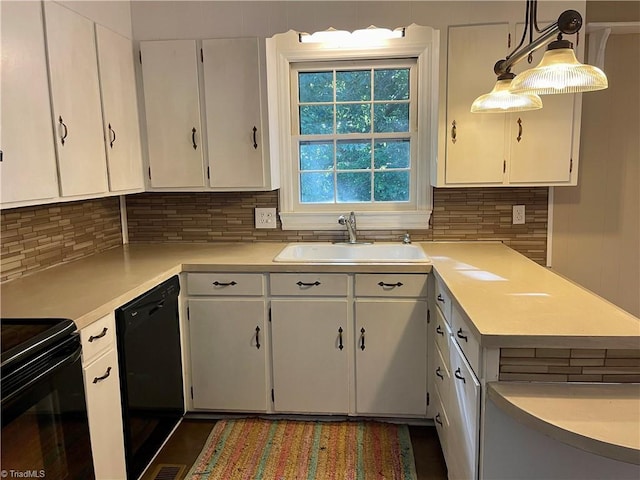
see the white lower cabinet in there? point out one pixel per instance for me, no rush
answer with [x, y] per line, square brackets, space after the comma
[391, 357]
[454, 388]
[228, 359]
[102, 388]
[310, 355]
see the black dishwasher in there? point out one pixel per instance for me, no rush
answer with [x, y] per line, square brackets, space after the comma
[150, 359]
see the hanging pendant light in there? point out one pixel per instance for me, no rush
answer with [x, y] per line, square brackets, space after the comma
[560, 72]
[501, 99]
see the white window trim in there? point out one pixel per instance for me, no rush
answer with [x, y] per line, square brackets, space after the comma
[283, 49]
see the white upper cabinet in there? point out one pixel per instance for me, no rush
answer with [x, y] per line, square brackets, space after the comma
[75, 92]
[532, 148]
[475, 142]
[235, 113]
[120, 110]
[28, 166]
[541, 141]
[172, 105]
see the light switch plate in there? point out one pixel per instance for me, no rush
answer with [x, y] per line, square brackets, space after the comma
[265, 218]
[518, 215]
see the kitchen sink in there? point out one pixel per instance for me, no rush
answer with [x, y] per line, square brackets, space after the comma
[352, 253]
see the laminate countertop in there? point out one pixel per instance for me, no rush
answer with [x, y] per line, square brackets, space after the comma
[511, 300]
[599, 418]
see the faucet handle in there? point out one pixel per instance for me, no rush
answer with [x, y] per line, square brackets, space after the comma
[407, 239]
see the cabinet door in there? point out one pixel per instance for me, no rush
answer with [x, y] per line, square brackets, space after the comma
[309, 340]
[102, 385]
[120, 110]
[233, 111]
[475, 151]
[28, 167]
[464, 415]
[391, 357]
[75, 92]
[228, 358]
[541, 141]
[172, 105]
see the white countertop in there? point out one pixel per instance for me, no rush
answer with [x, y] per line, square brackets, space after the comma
[511, 300]
[603, 419]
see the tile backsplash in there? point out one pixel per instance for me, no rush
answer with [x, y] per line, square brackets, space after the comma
[458, 214]
[34, 238]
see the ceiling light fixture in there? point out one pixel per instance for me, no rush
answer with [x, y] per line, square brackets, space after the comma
[501, 99]
[558, 72]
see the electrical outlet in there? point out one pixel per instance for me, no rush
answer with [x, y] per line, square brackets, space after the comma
[265, 217]
[518, 214]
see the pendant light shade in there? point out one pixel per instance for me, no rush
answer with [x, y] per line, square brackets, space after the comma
[502, 100]
[560, 72]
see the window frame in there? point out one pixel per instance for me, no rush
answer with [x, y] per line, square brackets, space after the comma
[284, 51]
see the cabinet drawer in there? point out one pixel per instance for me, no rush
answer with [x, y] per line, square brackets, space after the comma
[441, 419]
[309, 284]
[466, 339]
[391, 285]
[102, 386]
[443, 299]
[97, 338]
[442, 375]
[225, 284]
[442, 333]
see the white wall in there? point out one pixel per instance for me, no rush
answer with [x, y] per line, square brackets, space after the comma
[596, 226]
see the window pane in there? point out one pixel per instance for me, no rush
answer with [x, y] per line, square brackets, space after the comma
[353, 118]
[354, 187]
[316, 188]
[391, 186]
[391, 117]
[315, 86]
[353, 86]
[392, 154]
[353, 155]
[316, 119]
[316, 155]
[391, 84]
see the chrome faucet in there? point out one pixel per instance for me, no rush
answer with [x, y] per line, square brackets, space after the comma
[350, 223]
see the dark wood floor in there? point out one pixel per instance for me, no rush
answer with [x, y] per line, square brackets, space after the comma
[187, 441]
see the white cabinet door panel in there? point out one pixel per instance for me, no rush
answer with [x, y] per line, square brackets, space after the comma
[28, 167]
[75, 92]
[233, 110]
[310, 370]
[228, 357]
[391, 369]
[475, 150]
[172, 105]
[120, 110]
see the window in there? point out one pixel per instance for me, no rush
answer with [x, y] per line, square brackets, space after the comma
[352, 128]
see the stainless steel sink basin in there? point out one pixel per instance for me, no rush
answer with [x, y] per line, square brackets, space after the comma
[352, 253]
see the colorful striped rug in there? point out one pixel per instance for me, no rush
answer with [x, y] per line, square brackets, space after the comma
[260, 449]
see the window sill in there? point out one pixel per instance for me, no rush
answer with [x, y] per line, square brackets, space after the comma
[416, 220]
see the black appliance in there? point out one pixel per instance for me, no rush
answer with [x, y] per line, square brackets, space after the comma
[150, 360]
[45, 430]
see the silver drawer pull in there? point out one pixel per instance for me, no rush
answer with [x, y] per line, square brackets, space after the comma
[100, 335]
[103, 377]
